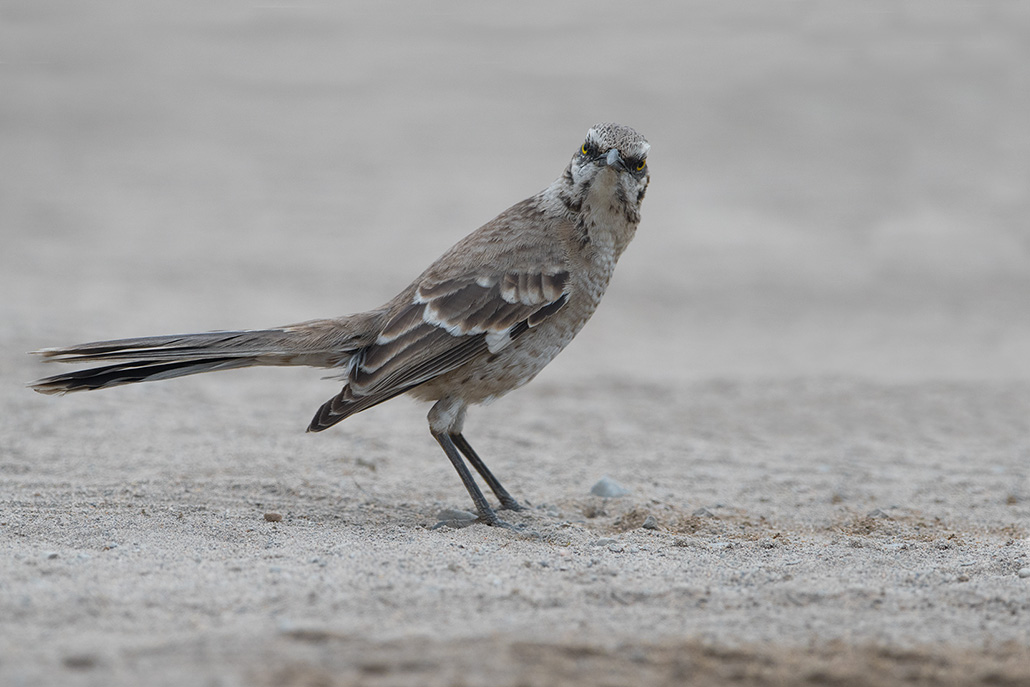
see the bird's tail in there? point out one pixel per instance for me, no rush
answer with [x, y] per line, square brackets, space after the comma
[319, 343]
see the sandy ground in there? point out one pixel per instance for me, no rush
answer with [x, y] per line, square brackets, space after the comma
[812, 371]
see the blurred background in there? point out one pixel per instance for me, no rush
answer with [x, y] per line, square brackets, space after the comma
[838, 188]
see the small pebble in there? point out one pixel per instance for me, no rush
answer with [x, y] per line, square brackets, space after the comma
[703, 513]
[615, 548]
[650, 523]
[1024, 573]
[695, 542]
[608, 488]
[273, 517]
[52, 555]
[604, 542]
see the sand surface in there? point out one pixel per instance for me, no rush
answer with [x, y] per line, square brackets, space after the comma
[812, 370]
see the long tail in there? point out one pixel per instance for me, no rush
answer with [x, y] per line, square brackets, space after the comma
[319, 343]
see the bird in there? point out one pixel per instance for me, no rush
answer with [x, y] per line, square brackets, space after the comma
[483, 319]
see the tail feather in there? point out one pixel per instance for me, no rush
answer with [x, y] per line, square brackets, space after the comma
[319, 343]
[131, 372]
[179, 346]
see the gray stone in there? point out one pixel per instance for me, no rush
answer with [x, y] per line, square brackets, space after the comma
[608, 488]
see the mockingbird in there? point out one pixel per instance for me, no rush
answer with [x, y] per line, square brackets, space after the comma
[482, 320]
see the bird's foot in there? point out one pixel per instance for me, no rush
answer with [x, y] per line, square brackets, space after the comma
[511, 504]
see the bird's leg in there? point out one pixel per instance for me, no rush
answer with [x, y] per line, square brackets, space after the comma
[507, 500]
[486, 513]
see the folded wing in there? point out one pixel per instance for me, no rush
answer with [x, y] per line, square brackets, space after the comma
[445, 324]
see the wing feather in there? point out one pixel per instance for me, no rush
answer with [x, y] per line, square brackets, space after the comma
[446, 324]
[428, 336]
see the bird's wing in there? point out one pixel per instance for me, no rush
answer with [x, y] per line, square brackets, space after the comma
[446, 323]
[449, 322]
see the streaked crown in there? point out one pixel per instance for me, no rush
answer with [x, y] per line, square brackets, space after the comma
[630, 144]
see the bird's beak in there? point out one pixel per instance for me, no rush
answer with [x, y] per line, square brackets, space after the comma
[614, 159]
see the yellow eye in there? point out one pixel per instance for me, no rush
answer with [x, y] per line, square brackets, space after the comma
[641, 164]
[584, 149]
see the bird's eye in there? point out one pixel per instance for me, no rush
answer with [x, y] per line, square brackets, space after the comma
[585, 150]
[641, 164]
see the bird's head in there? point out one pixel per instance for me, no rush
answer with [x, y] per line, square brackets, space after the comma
[610, 165]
